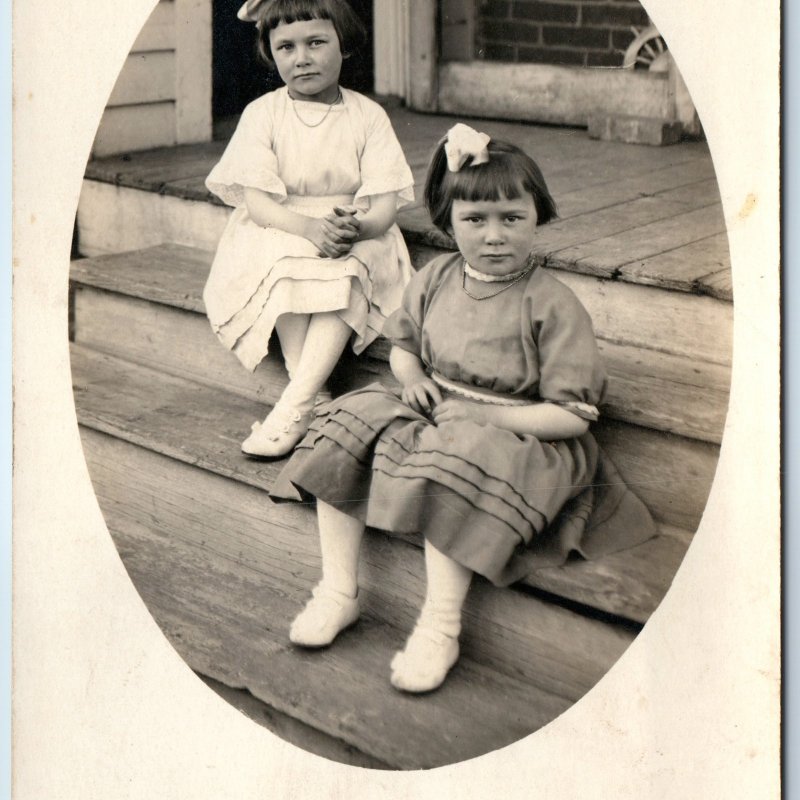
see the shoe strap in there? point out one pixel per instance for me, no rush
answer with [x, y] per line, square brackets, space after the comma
[433, 636]
[325, 594]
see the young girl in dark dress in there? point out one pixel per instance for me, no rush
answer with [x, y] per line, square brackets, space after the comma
[485, 450]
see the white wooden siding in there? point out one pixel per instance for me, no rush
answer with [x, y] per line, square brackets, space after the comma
[158, 32]
[126, 128]
[163, 94]
[145, 78]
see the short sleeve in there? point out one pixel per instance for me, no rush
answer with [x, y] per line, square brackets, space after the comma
[249, 160]
[404, 326]
[571, 372]
[383, 165]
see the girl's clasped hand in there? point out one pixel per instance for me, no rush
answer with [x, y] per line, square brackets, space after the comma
[335, 233]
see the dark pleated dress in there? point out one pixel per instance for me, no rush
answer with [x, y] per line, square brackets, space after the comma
[500, 503]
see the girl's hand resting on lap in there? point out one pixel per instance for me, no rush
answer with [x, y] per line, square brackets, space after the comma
[423, 396]
[345, 221]
[333, 240]
[458, 410]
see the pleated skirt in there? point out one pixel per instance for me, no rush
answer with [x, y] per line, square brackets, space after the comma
[492, 500]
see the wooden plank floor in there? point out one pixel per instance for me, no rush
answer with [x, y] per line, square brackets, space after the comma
[228, 623]
[641, 214]
[653, 382]
[148, 409]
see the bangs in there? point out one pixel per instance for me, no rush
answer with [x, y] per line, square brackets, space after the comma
[285, 12]
[348, 26]
[509, 173]
[490, 182]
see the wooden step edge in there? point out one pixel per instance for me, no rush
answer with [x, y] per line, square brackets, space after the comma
[420, 234]
[619, 584]
[630, 367]
[292, 730]
[99, 274]
[663, 392]
[277, 547]
[220, 627]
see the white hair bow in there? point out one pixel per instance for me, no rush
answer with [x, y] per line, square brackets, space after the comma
[247, 13]
[464, 142]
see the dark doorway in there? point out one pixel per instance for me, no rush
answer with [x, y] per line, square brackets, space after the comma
[239, 76]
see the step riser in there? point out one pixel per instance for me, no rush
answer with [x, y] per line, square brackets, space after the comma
[672, 474]
[656, 390]
[117, 219]
[555, 649]
[199, 426]
[114, 219]
[170, 339]
[342, 692]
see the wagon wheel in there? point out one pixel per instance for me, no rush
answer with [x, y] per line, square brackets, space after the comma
[648, 50]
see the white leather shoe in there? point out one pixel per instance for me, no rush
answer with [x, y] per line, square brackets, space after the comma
[425, 661]
[325, 616]
[277, 435]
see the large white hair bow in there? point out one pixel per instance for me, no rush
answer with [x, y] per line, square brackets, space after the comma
[464, 142]
[247, 13]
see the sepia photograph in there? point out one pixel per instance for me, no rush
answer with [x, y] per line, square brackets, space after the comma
[401, 341]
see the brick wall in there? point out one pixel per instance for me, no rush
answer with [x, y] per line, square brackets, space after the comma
[590, 33]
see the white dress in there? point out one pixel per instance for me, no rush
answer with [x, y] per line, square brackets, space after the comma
[260, 273]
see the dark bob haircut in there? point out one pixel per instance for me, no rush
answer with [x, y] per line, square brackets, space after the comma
[509, 173]
[271, 13]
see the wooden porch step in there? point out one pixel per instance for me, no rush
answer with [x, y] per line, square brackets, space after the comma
[669, 368]
[290, 729]
[227, 617]
[202, 426]
[223, 570]
[606, 193]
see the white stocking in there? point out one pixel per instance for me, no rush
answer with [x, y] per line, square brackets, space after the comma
[340, 541]
[334, 602]
[447, 587]
[432, 648]
[325, 340]
[292, 330]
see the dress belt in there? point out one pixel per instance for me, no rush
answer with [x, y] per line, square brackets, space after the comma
[478, 395]
[312, 201]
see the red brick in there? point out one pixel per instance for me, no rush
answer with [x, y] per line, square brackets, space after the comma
[551, 55]
[497, 52]
[545, 12]
[576, 37]
[617, 14]
[510, 32]
[621, 39]
[497, 9]
[603, 59]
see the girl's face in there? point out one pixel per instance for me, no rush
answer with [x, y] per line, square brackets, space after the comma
[495, 237]
[309, 59]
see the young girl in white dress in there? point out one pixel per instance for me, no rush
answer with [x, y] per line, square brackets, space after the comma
[485, 450]
[316, 175]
